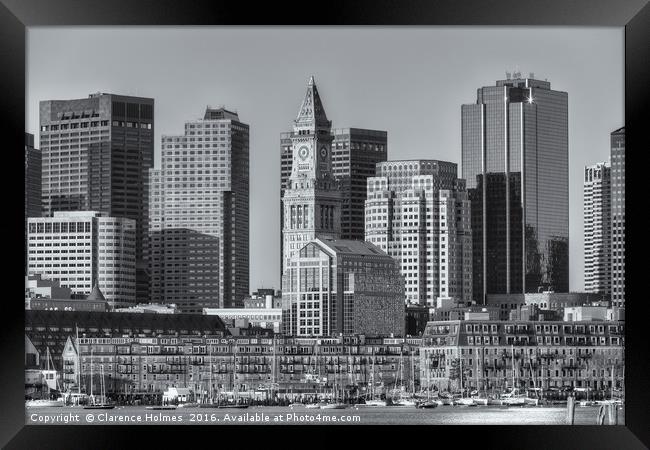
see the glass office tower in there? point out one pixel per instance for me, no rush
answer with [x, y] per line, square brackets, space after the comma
[515, 160]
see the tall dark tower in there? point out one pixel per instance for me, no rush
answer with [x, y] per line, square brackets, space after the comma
[311, 201]
[97, 152]
[617, 156]
[515, 159]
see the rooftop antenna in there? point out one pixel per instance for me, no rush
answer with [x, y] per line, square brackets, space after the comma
[508, 75]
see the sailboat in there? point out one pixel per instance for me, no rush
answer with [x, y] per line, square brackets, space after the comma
[528, 400]
[514, 397]
[336, 403]
[463, 401]
[210, 403]
[397, 399]
[373, 400]
[315, 405]
[47, 402]
[235, 403]
[428, 403]
[478, 400]
[102, 404]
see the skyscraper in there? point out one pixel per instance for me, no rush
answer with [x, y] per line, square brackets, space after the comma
[597, 229]
[84, 249]
[33, 177]
[311, 200]
[515, 160]
[199, 218]
[97, 152]
[355, 152]
[618, 216]
[418, 212]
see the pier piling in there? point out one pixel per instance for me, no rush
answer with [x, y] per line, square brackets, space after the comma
[570, 410]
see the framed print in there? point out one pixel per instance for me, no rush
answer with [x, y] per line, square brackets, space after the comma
[367, 213]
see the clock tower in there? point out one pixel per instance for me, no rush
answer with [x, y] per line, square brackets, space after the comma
[312, 201]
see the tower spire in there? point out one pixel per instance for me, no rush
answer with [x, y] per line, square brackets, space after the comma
[311, 114]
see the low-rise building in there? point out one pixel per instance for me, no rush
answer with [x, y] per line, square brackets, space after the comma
[264, 298]
[593, 313]
[48, 328]
[255, 366]
[95, 301]
[534, 312]
[498, 354]
[256, 317]
[417, 317]
[461, 312]
[154, 308]
[37, 287]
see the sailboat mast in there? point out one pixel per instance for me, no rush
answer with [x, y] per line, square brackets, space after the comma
[476, 351]
[234, 375]
[613, 384]
[78, 360]
[372, 374]
[512, 348]
[412, 371]
[426, 361]
[210, 367]
[91, 371]
[461, 374]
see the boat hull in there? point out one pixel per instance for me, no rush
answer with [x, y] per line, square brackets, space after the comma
[374, 403]
[427, 405]
[44, 404]
[516, 401]
[334, 406]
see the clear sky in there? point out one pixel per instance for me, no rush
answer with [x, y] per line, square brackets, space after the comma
[409, 81]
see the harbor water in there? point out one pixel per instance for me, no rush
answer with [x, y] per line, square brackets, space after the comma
[297, 415]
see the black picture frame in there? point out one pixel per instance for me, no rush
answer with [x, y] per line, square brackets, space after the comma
[16, 15]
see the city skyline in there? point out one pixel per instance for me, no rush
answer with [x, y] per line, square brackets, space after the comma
[360, 99]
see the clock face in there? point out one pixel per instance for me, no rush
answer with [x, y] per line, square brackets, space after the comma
[323, 152]
[303, 152]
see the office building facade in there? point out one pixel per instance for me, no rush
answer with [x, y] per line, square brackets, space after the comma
[84, 249]
[333, 286]
[597, 228]
[618, 216]
[199, 215]
[515, 161]
[355, 153]
[418, 212]
[33, 177]
[311, 201]
[97, 153]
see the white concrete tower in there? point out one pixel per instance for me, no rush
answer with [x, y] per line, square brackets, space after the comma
[312, 201]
